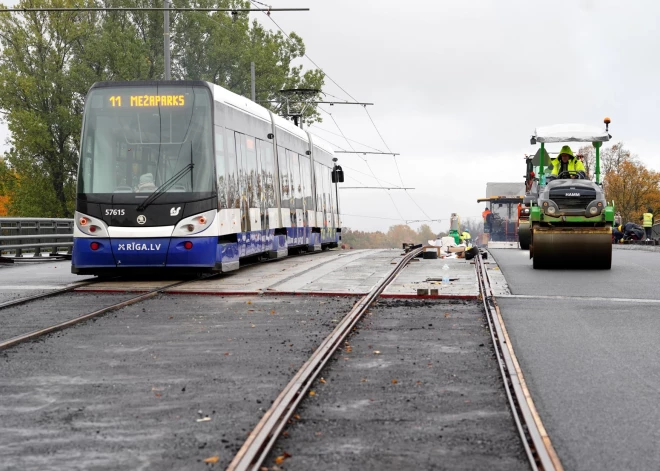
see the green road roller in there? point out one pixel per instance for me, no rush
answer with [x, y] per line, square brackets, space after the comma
[571, 222]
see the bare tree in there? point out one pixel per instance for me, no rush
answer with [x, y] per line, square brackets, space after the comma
[612, 158]
[588, 155]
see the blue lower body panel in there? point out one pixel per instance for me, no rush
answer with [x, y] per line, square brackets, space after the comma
[205, 252]
[83, 256]
[202, 253]
[139, 252]
[147, 252]
[295, 236]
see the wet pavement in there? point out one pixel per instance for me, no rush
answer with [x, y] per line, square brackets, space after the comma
[22, 279]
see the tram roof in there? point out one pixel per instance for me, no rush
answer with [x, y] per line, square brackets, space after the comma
[571, 133]
[243, 103]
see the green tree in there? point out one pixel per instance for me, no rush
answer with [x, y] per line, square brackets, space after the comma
[424, 234]
[41, 95]
[219, 48]
[48, 61]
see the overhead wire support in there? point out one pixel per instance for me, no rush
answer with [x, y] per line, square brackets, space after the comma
[55, 9]
[363, 152]
[331, 103]
[373, 188]
[267, 13]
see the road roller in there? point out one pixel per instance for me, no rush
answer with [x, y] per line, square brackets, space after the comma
[531, 195]
[571, 222]
[524, 229]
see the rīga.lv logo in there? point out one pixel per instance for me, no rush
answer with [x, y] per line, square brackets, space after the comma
[139, 246]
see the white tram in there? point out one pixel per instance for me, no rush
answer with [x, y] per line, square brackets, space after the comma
[188, 175]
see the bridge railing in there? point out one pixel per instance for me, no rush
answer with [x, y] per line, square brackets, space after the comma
[656, 231]
[34, 238]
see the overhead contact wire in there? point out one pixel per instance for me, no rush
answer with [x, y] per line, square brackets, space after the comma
[265, 12]
[366, 162]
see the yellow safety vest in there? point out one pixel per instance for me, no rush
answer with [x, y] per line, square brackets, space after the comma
[574, 165]
[466, 235]
[648, 220]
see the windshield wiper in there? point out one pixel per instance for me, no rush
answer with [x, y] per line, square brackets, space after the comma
[165, 186]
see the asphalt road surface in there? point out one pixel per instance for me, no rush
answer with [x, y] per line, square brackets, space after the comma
[588, 343]
[163, 384]
[418, 388]
[22, 279]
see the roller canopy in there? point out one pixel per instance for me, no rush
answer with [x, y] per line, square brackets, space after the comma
[571, 133]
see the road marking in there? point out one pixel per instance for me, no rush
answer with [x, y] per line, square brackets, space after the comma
[545, 456]
[581, 298]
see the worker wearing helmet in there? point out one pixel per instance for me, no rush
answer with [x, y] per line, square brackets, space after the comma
[567, 162]
[647, 219]
[488, 219]
[466, 238]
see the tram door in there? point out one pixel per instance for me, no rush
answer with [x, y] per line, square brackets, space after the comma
[251, 203]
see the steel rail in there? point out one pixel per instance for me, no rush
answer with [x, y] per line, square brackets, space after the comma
[262, 438]
[76, 320]
[16, 302]
[539, 449]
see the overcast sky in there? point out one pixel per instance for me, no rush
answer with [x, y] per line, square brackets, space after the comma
[459, 87]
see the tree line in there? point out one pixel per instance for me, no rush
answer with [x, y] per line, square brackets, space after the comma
[48, 61]
[627, 182]
[402, 233]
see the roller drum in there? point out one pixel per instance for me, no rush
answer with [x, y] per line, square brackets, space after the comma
[524, 234]
[589, 248]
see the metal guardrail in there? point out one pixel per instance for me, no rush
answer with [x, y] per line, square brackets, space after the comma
[655, 231]
[32, 238]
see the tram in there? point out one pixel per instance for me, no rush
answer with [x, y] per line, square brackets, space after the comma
[187, 175]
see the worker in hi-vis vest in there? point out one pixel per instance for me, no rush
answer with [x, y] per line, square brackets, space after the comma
[647, 217]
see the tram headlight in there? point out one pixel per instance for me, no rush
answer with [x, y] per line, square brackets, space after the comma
[90, 226]
[551, 210]
[194, 224]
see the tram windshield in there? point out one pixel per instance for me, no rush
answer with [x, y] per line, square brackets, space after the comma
[139, 140]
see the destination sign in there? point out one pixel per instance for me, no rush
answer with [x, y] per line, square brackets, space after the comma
[140, 101]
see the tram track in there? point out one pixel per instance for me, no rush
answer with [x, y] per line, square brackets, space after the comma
[16, 340]
[27, 299]
[538, 447]
[263, 437]
[143, 295]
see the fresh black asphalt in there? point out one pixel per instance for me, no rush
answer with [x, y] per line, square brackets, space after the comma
[416, 388]
[164, 384]
[591, 365]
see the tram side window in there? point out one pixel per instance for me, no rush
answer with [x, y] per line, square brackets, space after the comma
[327, 181]
[241, 158]
[284, 175]
[231, 172]
[252, 173]
[305, 171]
[318, 177]
[295, 190]
[328, 190]
[267, 172]
[220, 167]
